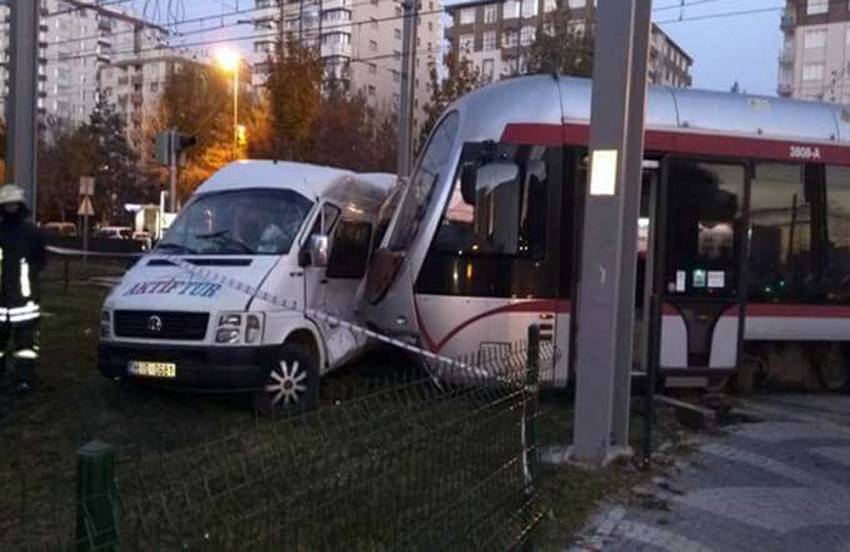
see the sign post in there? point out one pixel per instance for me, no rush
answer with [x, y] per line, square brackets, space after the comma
[86, 209]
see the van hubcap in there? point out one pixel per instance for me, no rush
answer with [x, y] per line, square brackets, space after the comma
[286, 383]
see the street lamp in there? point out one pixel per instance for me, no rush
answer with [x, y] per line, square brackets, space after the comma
[229, 61]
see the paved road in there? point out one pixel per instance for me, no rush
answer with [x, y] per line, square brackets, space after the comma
[781, 484]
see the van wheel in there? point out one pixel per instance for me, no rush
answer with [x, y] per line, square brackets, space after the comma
[832, 368]
[292, 385]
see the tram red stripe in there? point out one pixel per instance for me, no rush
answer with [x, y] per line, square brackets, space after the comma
[682, 141]
[545, 305]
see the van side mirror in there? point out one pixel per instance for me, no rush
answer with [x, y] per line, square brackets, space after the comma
[316, 252]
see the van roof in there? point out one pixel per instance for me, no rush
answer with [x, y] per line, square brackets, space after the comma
[309, 180]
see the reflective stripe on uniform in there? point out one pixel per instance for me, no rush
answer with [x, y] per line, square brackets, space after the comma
[25, 354]
[26, 288]
[28, 312]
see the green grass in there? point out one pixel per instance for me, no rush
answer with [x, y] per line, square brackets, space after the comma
[74, 404]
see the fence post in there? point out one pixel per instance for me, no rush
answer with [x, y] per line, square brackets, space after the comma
[97, 515]
[529, 421]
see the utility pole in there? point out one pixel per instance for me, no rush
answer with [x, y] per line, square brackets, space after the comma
[408, 79]
[608, 259]
[173, 152]
[21, 105]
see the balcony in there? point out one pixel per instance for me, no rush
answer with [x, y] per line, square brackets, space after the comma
[137, 80]
[137, 98]
[788, 22]
[785, 89]
[336, 50]
[786, 57]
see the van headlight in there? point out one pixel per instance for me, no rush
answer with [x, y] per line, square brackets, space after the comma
[238, 328]
[105, 323]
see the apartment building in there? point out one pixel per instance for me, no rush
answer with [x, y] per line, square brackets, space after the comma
[814, 61]
[78, 42]
[360, 42]
[495, 37]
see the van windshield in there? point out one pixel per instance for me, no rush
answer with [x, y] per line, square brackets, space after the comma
[244, 222]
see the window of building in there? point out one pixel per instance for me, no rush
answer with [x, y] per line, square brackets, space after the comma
[527, 35]
[371, 89]
[813, 72]
[467, 16]
[487, 70]
[491, 13]
[373, 45]
[814, 7]
[510, 9]
[489, 42]
[374, 23]
[396, 76]
[509, 39]
[430, 25]
[529, 8]
[397, 54]
[574, 4]
[372, 68]
[815, 38]
[549, 5]
[397, 33]
[466, 42]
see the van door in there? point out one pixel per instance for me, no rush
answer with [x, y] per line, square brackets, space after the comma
[339, 289]
[699, 265]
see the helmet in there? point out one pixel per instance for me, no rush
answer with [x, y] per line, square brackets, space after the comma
[10, 193]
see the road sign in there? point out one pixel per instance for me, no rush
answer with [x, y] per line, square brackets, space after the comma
[86, 186]
[86, 209]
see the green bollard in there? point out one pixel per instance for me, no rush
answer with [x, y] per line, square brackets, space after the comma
[97, 512]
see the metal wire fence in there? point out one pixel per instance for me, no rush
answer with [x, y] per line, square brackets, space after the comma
[421, 463]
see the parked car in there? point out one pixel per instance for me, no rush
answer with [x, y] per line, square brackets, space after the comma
[113, 233]
[60, 229]
[145, 237]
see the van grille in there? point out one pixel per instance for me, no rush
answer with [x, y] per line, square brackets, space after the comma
[178, 326]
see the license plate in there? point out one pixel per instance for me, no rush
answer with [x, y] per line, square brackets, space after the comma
[152, 369]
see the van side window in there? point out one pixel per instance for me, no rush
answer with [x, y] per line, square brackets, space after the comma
[350, 250]
[325, 222]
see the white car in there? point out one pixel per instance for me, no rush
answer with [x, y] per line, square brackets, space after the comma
[300, 233]
[113, 233]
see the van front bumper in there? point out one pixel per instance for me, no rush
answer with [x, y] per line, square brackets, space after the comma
[197, 367]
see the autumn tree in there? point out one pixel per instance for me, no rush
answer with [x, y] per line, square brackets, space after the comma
[113, 163]
[197, 99]
[563, 45]
[65, 153]
[294, 92]
[461, 76]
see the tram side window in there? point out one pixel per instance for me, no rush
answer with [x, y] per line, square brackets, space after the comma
[704, 227]
[836, 281]
[781, 261]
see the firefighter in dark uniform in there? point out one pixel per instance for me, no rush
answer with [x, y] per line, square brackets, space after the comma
[22, 257]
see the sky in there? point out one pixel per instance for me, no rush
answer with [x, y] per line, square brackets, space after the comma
[741, 47]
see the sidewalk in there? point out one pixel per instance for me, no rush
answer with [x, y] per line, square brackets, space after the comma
[781, 484]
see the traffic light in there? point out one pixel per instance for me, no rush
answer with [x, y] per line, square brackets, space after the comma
[173, 143]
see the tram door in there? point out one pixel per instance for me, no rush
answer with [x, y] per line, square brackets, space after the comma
[695, 270]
